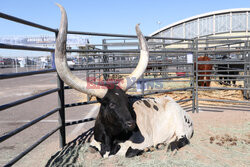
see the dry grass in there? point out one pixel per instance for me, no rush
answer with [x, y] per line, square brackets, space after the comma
[222, 94]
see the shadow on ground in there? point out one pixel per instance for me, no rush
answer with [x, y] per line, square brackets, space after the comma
[70, 153]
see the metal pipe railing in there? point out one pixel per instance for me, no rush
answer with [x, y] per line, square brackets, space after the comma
[18, 20]
[224, 62]
[222, 51]
[129, 51]
[220, 88]
[79, 121]
[21, 47]
[234, 76]
[22, 74]
[223, 37]
[214, 108]
[218, 80]
[80, 103]
[122, 35]
[225, 101]
[18, 130]
[238, 106]
[21, 155]
[165, 91]
[21, 101]
[96, 67]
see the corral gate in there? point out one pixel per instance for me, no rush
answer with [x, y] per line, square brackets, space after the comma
[229, 58]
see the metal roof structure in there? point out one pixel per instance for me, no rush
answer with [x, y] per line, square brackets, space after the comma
[213, 23]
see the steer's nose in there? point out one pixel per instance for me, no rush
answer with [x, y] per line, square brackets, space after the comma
[130, 124]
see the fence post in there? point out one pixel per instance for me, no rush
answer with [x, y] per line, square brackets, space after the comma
[193, 77]
[196, 77]
[105, 59]
[142, 86]
[61, 119]
[87, 71]
[61, 105]
[247, 70]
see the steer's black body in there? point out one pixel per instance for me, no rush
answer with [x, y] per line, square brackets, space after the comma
[116, 120]
[234, 70]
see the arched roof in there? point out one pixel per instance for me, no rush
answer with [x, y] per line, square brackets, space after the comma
[223, 21]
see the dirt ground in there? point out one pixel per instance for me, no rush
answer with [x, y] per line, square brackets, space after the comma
[220, 139]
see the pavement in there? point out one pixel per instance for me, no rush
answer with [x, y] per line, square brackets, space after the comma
[14, 117]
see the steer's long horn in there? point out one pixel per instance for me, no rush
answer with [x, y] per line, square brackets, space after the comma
[127, 82]
[61, 62]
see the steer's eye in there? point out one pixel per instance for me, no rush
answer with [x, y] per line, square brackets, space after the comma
[111, 105]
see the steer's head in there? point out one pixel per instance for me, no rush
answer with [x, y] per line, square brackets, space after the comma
[114, 102]
[116, 111]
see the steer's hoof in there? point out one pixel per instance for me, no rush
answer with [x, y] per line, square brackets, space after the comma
[133, 152]
[160, 146]
[182, 142]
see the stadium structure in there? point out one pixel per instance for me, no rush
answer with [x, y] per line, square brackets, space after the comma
[224, 22]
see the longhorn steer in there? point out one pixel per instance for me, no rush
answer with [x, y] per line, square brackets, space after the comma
[159, 120]
[125, 124]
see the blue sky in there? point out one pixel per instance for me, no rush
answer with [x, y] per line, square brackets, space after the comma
[107, 16]
[110, 16]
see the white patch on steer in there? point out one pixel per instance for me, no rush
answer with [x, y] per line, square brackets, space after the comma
[163, 125]
[106, 155]
[124, 148]
[117, 94]
[96, 144]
